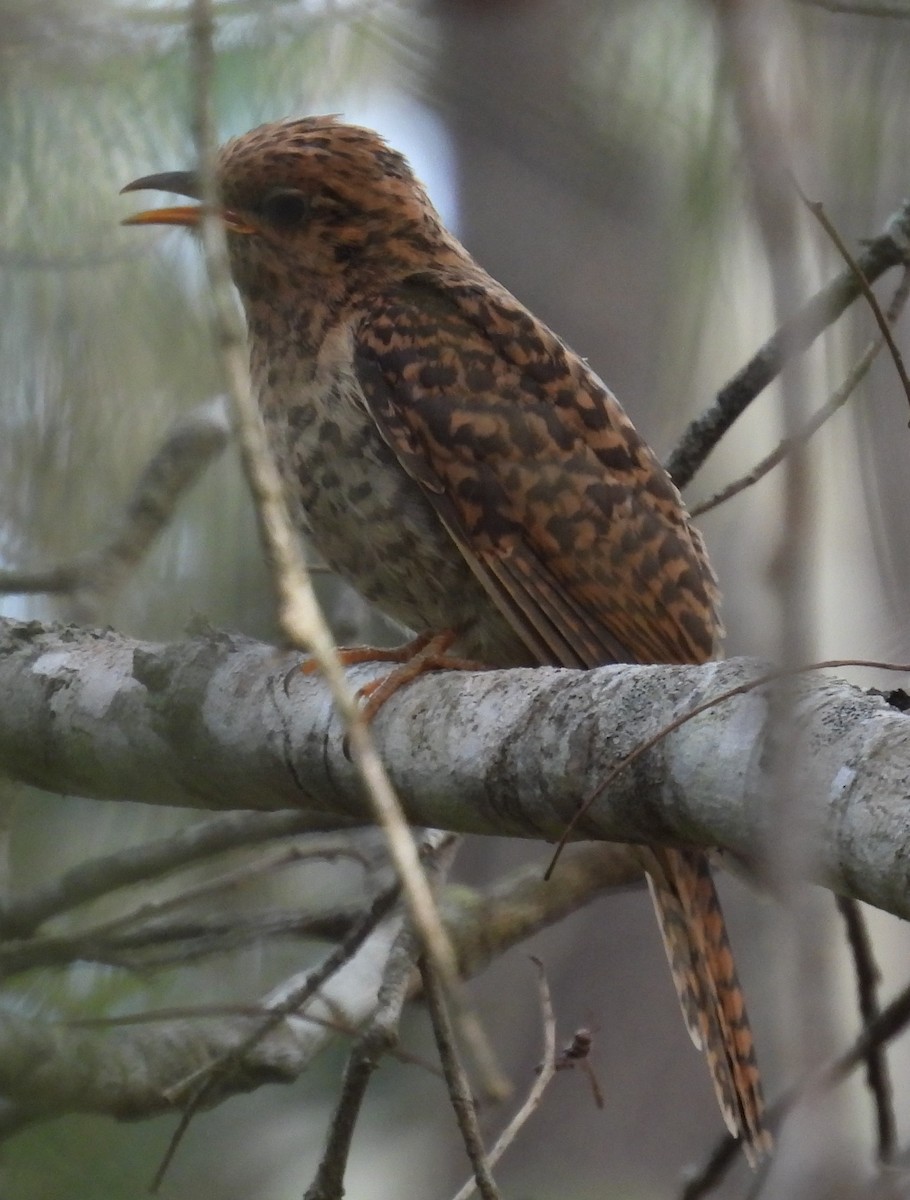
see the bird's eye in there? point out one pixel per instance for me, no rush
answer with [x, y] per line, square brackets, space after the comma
[286, 207]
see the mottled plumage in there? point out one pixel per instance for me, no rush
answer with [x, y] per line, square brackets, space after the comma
[466, 471]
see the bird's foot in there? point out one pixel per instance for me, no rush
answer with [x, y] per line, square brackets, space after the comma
[428, 652]
[351, 656]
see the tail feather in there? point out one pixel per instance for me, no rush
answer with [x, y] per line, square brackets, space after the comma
[701, 962]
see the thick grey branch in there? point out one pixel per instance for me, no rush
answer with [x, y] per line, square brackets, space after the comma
[219, 723]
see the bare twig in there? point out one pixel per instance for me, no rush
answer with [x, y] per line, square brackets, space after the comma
[816, 208]
[892, 1019]
[547, 1070]
[513, 908]
[836, 401]
[194, 1089]
[257, 1011]
[827, 410]
[22, 915]
[142, 1064]
[867, 980]
[507, 912]
[576, 1055]
[889, 249]
[380, 1035]
[899, 12]
[294, 999]
[483, 924]
[379, 1038]
[186, 450]
[771, 121]
[20, 956]
[457, 1083]
[152, 909]
[162, 943]
[299, 614]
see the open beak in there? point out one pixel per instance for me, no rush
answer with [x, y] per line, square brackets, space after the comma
[183, 183]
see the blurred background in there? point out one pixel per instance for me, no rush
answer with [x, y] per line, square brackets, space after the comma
[587, 153]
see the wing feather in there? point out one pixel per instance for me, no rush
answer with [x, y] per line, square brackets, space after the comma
[556, 503]
[584, 545]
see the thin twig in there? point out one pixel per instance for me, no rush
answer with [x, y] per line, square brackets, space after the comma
[816, 208]
[576, 1054]
[892, 1019]
[548, 1068]
[379, 1038]
[186, 450]
[44, 951]
[195, 1088]
[205, 1011]
[482, 924]
[899, 12]
[890, 249]
[514, 908]
[299, 615]
[837, 400]
[293, 1000]
[457, 1083]
[141, 1075]
[158, 944]
[867, 981]
[21, 915]
[228, 880]
[381, 1033]
[766, 117]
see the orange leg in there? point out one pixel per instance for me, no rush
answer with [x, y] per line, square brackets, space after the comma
[426, 652]
[350, 656]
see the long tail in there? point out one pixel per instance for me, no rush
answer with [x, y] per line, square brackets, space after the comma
[695, 938]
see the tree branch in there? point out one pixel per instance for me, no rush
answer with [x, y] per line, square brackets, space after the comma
[379, 1037]
[208, 724]
[889, 249]
[22, 915]
[186, 450]
[130, 1070]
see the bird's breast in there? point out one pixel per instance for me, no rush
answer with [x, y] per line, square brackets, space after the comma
[364, 514]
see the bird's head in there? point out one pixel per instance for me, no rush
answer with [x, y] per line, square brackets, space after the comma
[311, 200]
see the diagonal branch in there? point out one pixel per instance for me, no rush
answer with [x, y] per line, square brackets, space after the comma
[183, 455]
[22, 915]
[889, 249]
[460, 1094]
[379, 1037]
[883, 1028]
[531, 1103]
[833, 404]
[818, 211]
[878, 1076]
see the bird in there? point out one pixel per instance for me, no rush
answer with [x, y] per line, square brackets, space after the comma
[467, 472]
